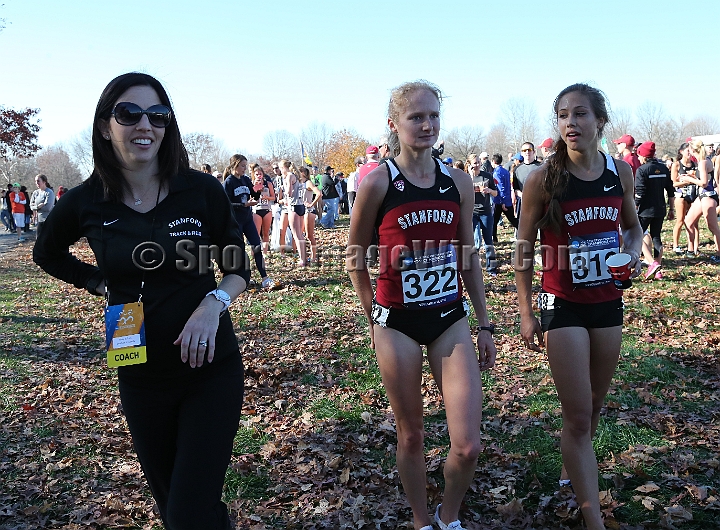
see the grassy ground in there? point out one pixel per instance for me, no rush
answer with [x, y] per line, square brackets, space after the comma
[315, 448]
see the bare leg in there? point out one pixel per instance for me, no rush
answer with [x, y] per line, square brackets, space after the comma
[709, 209]
[681, 209]
[453, 359]
[265, 234]
[298, 236]
[400, 362]
[692, 219]
[283, 230]
[582, 363]
[310, 234]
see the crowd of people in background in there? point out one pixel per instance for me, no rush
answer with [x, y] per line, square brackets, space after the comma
[19, 210]
[682, 188]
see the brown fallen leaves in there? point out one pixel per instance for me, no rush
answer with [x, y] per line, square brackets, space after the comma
[328, 455]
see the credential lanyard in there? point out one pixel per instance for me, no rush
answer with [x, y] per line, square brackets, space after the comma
[152, 234]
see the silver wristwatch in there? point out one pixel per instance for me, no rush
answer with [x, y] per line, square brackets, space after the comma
[222, 296]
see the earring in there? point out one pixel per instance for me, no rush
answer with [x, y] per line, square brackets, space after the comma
[106, 136]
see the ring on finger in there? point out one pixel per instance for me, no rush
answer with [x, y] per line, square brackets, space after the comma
[202, 343]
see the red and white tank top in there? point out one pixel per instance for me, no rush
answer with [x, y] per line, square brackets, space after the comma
[574, 266]
[417, 229]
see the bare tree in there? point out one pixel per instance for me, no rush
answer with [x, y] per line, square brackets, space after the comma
[204, 148]
[650, 118]
[317, 139]
[497, 140]
[462, 141]
[55, 162]
[280, 144]
[18, 169]
[521, 121]
[702, 125]
[80, 151]
[621, 122]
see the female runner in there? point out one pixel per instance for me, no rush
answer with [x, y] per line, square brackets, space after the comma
[262, 211]
[294, 193]
[311, 196]
[183, 394]
[706, 203]
[418, 205]
[685, 195]
[578, 199]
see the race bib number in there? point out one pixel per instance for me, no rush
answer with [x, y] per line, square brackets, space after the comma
[430, 278]
[546, 301]
[587, 258]
[379, 314]
[125, 334]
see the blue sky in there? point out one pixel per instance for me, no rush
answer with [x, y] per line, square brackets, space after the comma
[241, 69]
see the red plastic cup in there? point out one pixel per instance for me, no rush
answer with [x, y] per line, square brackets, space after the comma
[619, 267]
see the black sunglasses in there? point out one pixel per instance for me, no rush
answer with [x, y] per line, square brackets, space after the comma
[129, 114]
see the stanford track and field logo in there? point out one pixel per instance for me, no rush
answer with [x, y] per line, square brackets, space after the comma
[400, 185]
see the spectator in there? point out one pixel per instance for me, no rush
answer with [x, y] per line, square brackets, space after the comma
[17, 203]
[482, 218]
[341, 187]
[625, 146]
[61, 191]
[331, 198]
[546, 148]
[42, 200]
[6, 214]
[522, 171]
[652, 182]
[371, 155]
[205, 168]
[503, 200]
[486, 164]
[28, 210]
[352, 182]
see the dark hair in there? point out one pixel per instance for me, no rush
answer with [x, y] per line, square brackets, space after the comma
[532, 145]
[682, 148]
[172, 155]
[235, 161]
[497, 158]
[44, 179]
[556, 175]
[206, 168]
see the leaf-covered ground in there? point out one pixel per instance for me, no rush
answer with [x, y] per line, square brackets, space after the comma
[316, 445]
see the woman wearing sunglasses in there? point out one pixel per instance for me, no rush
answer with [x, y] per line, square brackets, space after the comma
[147, 217]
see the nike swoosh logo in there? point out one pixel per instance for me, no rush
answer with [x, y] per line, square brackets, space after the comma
[444, 190]
[111, 222]
[443, 315]
[608, 189]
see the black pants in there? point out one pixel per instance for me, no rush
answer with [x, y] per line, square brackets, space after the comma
[248, 228]
[509, 215]
[655, 224]
[183, 431]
